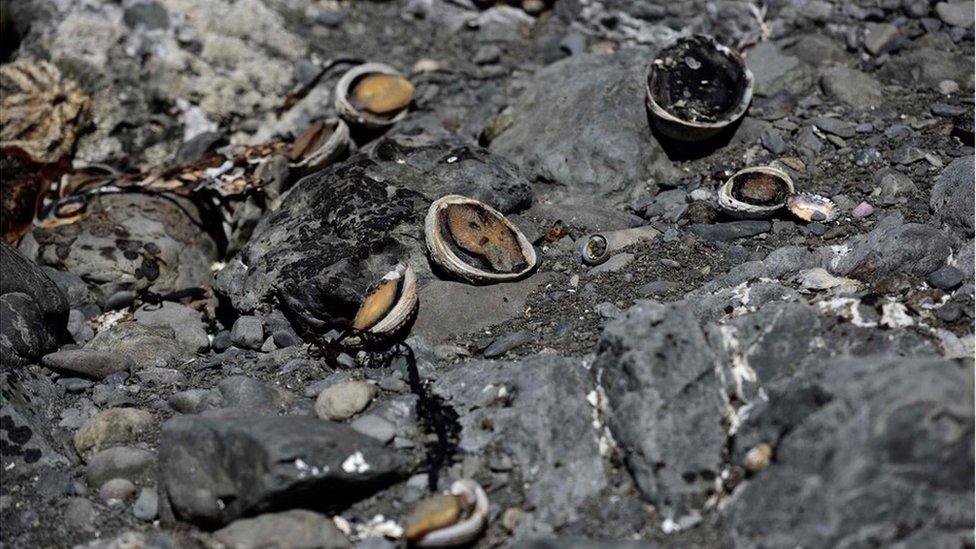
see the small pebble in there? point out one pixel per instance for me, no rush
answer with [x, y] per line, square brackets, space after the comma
[946, 278]
[862, 210]
[116, 491]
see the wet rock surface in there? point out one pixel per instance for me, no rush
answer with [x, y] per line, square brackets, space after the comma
[188, 255]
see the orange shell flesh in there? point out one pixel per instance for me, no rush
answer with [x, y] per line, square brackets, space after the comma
[431, 514]
[382, 93]
[482, 234]
[376, 305]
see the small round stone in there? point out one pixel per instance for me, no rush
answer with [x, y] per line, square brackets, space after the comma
[116, 491]
[344, 400]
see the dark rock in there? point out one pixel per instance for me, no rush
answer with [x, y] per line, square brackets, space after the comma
[197, 147]
[436, 163]
[952, 196]
[149, 15]
[859, 429]
[86, 362]
[598, 148]
[541, 421]
[946, 278]
[72, 286]
[335, 233]
[297, 528]
[725, 232]
[774, 142]
[835, 126]
[664, 407]
[120, 300]
[214, 470]
[33, 310]
[773, 71]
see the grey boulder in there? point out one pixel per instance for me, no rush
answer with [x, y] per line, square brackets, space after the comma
[213, 470]
[33, 310]
[889, 436]
[952, 196]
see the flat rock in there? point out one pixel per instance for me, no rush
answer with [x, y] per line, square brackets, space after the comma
[851, 87]
[773, 71]
[601, 146]
[859, 429]
[249, 394]
[213, 470]
[541, 422]
[130, 242]
[86, 362]
[450, 308]
[297, 528]
[956, 14]
[731, 230]
[186, 323]
[142, 346]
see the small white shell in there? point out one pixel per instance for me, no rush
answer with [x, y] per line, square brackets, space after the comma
[328, 152]
[399, 315]
[466, 530]
[442, 253]
[598, 247]
[737, 208]
[353, 115]
[812, 207]
[694, 130]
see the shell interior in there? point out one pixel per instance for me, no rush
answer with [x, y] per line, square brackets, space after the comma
[696, 80]
[812, 207]
[382, 94]
[433, 513]
[759, 189]
[595, 250]
[481, 239]
[311, 139]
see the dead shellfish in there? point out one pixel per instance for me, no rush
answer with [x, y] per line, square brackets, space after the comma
[696, 87]
[373, 95]
[449, 520]
[755, 192]
[474, 242]
[389, 306]
[319, 145]
[598, 247]
[812, 207]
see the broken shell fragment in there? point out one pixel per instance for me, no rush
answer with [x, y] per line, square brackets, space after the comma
[373, 95]
[389, 306]
[474, 242]
[812, 207]
[449, 520]
[319, 145]
[598, 247]
[755, 192]
[696, 87]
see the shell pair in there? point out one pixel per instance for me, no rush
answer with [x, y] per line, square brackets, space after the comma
[449, 520]
[761, 191]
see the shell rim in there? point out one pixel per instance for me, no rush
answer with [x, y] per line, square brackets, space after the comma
[740, 110]
[736, 207]
[353, 115]
[444, 257]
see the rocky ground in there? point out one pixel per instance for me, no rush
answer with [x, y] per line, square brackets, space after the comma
[716, 382]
